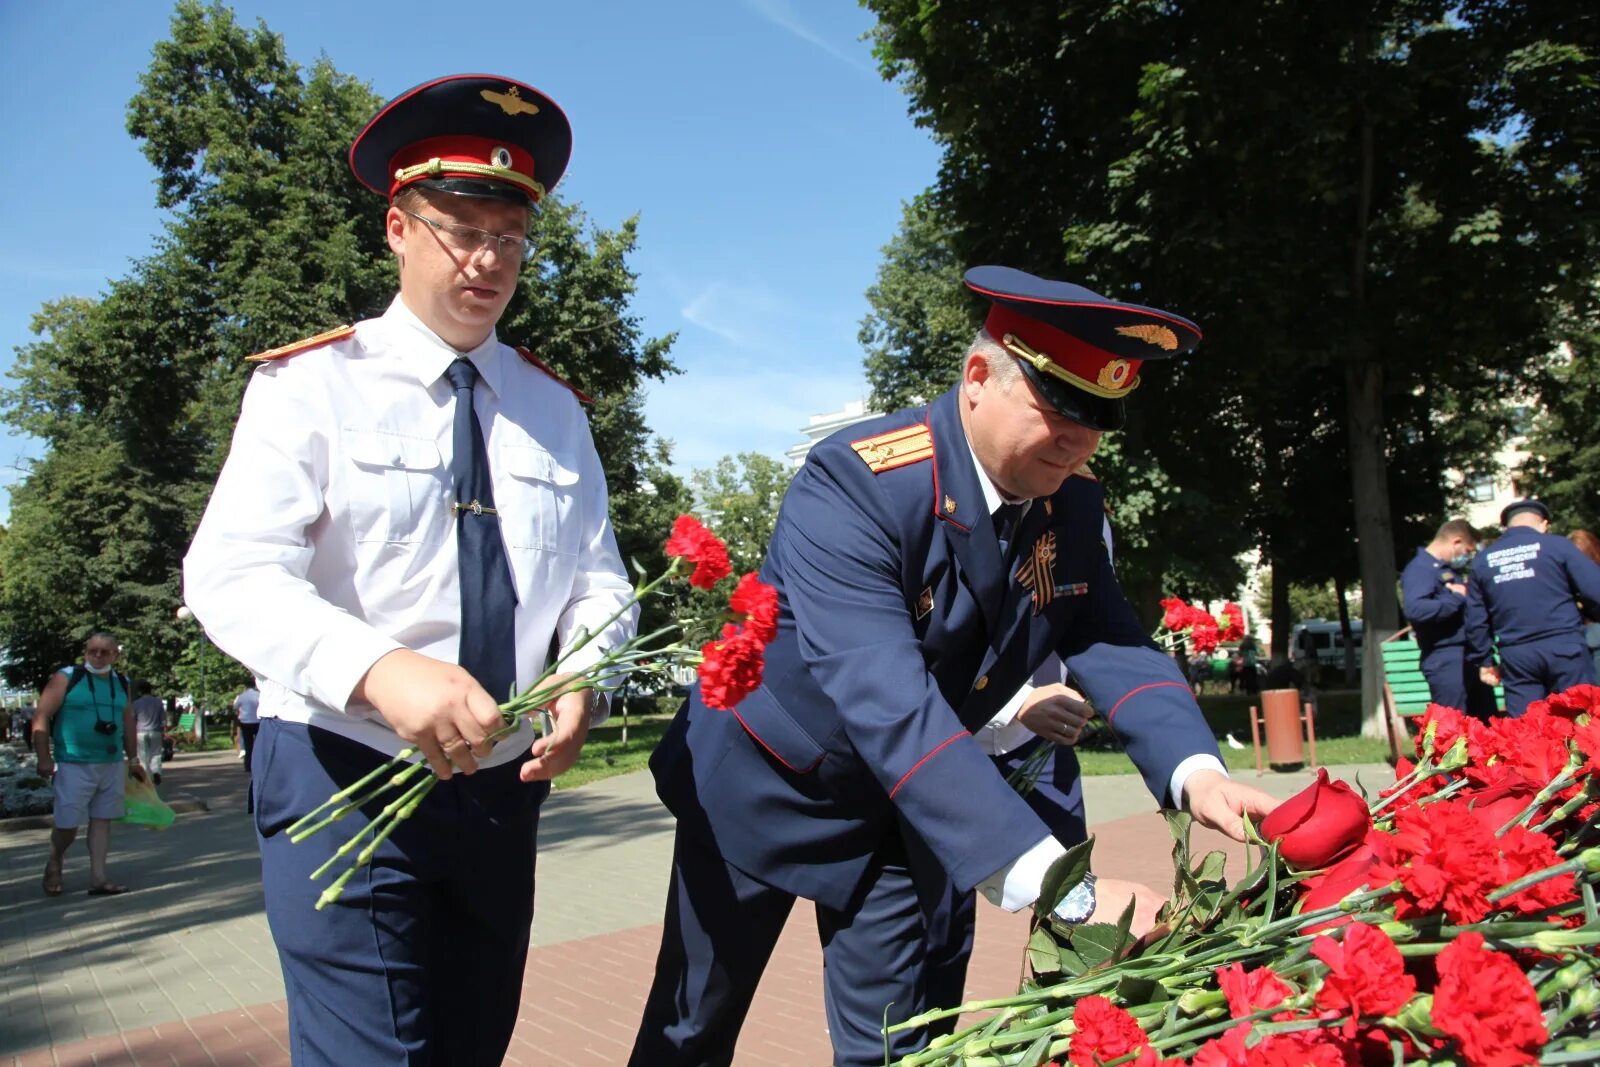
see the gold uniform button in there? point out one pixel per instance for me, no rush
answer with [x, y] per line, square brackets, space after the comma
[981, 682]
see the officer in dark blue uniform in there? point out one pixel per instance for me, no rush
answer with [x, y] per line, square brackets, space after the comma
[926, 564]
[1433, 590]
[1523, 601]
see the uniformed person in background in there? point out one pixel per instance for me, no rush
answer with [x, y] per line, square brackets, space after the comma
[1433, 591]
[1523, 602]
[411, 523]
[927, 563]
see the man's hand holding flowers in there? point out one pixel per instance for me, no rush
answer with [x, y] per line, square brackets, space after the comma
[436, 706]
[1220, 802]
[1056, 713]
[556, 752]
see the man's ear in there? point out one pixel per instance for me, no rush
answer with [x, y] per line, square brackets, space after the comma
[394, 228]
[974, 377]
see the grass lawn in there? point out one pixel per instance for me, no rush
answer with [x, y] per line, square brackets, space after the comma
[1339, 740]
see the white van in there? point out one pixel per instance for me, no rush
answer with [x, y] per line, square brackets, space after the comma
[1323, 641]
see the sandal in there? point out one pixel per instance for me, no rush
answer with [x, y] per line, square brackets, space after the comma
[52, 884]
[110, 889]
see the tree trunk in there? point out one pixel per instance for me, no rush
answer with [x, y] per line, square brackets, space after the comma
[1281, 623]
[1345, 632]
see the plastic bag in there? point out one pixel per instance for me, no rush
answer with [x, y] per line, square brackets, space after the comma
[143, 806]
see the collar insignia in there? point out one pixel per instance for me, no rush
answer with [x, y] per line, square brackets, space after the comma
[949, 505]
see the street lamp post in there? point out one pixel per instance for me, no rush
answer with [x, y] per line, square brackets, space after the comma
[185, 615]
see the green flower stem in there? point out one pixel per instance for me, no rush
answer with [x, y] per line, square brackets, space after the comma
[1543, 797]
[1566, 811]
[1569, 867]
[403, 773]
[332, 893]
[348, 791]
[1424, 770]
[417, 792]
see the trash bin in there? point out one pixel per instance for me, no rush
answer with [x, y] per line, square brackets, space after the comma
[1280, 708]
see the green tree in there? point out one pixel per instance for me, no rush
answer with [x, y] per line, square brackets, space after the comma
[269, 238]
[1563, 468]
[1390, 199]
[739, 498]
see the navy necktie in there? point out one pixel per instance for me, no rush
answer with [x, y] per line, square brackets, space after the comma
[1006, 518]
[488, 598]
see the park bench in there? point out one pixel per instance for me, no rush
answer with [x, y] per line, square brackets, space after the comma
[186, 723]
[1405, 687]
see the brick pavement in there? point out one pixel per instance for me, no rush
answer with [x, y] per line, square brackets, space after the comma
[188, 978]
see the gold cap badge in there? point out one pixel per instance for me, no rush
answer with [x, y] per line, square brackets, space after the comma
[510, 101]
[1151, 334]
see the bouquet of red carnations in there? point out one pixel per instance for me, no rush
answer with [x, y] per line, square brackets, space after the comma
[728, 664]
[1451, 919]
[1204, 632]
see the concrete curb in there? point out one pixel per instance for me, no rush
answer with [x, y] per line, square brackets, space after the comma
[178, 802]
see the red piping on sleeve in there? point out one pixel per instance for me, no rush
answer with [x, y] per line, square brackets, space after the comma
[925, 759]
[1139, 689]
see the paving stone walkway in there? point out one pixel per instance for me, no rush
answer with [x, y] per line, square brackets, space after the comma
[182, 971]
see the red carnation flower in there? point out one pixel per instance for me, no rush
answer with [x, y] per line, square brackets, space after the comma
[1487, 1005]
[1177, 613]
[1443, 858]
[690, 540]
[1524, 852]
[1366, 975]
[1579, 700]
[1307, 1048]
[757, 603]
[1587, 740]
[1204, 636]
[1251, 991]
[1448, 725]
[730, 669]
[1104, 1033]
[1232, 622]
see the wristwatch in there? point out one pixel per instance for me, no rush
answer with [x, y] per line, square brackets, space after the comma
[1078, 905]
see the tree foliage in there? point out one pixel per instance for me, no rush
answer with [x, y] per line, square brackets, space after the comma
[740, 498]
[268, 238]
[1563, 468]
[1375, 210]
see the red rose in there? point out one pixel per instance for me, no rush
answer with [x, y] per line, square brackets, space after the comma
[1104, 1032]
[1499, 804]
[1337, 882]
[730, 669]
[1366, 975]
[690, 540]
[1250, 991]
[1487, 1005]
[757, 603]
[1319, 824]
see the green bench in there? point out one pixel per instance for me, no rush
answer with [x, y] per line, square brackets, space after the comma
[1405, 688]
[186, 723]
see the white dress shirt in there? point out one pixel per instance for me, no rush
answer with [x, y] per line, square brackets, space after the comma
[329, 540]
[1016, 885]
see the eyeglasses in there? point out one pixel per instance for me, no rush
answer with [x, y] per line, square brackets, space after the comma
[469, 240]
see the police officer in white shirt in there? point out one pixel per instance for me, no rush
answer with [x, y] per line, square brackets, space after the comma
[411, 523]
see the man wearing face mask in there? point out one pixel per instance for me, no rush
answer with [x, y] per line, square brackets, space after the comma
[83, 734]
[1433, 590]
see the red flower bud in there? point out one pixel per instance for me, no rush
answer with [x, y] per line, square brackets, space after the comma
[1318, 825]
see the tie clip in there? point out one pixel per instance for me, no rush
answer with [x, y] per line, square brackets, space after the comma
[474, 507]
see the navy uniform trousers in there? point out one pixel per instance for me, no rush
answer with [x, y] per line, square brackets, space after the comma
[1453, 682]
[420, 961]
[1535, 669]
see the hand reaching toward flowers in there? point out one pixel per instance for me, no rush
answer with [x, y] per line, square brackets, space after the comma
[1111, 897]
[559, 751]
[1221, 803]
[436, 706]
[1055, 713]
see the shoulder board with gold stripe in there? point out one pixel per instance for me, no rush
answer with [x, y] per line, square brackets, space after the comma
[327, 337]
[534, 361]
[1085, 472]
[886, 451]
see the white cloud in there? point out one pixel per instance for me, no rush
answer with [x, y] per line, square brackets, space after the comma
[781, 13]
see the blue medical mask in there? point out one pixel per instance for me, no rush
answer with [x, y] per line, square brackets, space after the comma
[1460, 561]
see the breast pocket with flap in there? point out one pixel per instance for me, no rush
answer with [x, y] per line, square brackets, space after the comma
[398, 487]
[537, 499]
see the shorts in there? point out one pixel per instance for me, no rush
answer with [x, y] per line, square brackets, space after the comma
[92, 789]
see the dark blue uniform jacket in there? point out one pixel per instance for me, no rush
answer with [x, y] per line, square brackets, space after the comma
[899, 635]
[1525, 589]
[1437, 615]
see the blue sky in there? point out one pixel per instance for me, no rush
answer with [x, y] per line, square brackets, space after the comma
[766, 158]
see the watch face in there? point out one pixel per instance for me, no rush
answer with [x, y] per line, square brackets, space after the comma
[1077, 905]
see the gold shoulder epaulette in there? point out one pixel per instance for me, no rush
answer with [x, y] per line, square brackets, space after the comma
[534, 361]
[1085, 472]
[896, 448]
[327, 337]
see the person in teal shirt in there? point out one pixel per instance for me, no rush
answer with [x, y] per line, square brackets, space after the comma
[83, 735]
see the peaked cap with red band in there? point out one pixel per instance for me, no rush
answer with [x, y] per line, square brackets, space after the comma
[1080, 349]
[473, 134]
